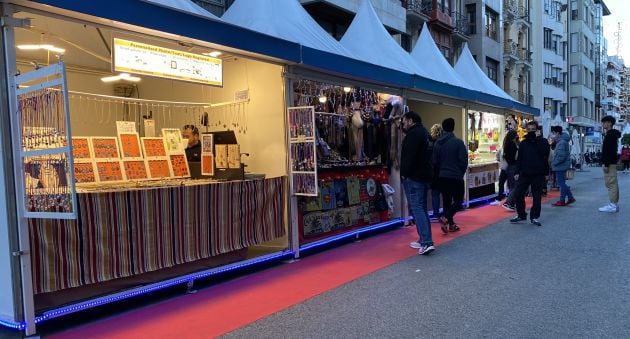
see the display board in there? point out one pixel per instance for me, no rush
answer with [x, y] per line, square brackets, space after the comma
[302, 151]
[46, 156]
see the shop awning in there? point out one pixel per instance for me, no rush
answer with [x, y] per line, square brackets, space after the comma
[285, 19]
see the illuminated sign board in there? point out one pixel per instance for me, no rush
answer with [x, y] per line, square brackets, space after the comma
[140, 58]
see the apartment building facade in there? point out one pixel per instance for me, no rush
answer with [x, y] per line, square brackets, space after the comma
[611, 101]
[549, 46]
[518, 59]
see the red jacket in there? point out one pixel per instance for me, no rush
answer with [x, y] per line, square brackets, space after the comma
[625, 154]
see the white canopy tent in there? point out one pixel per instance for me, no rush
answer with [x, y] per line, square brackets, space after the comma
[545, 121]
[576, 150]
[468, 69]
[557, 121]
[185, 6]
[369, 41]
[285, 19]
[427, 53]
[626, 130]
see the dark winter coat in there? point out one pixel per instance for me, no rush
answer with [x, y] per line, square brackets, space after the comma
[450, 157]
[509, 153]
[533, 156]
[562, 155]
[415, 163]
[609, 148]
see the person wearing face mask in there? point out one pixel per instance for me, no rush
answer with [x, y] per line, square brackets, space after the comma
[532, 166]
[560, 163]
[416, 174]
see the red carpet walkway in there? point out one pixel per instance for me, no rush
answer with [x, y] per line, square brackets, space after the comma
[228, 306]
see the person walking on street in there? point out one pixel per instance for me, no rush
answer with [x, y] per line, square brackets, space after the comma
[532, 165]
[434, 134]
[450, 160]
[609, 163]
[502, 178]
[416, 174]
[560, 163]
[625, 158]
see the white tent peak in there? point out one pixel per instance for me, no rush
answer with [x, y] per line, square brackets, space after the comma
[468, 69]
[369, 41]
[185, 6]
[426, 52]
[285, 19]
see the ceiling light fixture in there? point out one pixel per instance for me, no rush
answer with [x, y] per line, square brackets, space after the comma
[121, 76]
[213, 54]
[347, 89]
[47, 47]
[323, 99]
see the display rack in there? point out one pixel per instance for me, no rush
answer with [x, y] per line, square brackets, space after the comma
[302, 150]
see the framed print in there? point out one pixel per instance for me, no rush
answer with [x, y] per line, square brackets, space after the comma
[130, 146]
[153, 147]
[207, 164]
[234, 156]
[221, 154]
[179, 164]
[105, 148]
[84, 172]
[81, 149]
[207, 142]
[159, 168]
[173, 140]
[135, 169]
[109, 171]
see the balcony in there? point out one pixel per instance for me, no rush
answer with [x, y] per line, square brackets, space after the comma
[417, 10]
[522, 97]
[554, 82]
[461, 26]
[510, 51]
[512, 12]
[525, 56]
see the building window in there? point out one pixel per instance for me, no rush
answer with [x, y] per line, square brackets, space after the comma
[574, 107]
[471, 15]
[548, 68]
[586, 113]
[574, 42]
[405, 42]
[574, 74]
[574, 10]
[592, 81]
[492, 67]
[492, 21]
[547, 41]
[585, 77]
[549, 105]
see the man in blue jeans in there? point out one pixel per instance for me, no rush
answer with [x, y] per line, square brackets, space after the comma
[416, 174]
[560, 163]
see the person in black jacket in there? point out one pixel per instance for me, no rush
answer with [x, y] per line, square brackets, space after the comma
[450, 160]
[609, 163]
[532, 165]
[416, 174]
[510, 148]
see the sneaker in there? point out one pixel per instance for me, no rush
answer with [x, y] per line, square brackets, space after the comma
[453, 228]
[570, 201]
[559, 203]
[517, 219]
[535, 222]
[509, 207]
[434, 219]
[415, 245]
[426, 249]
[610, 208]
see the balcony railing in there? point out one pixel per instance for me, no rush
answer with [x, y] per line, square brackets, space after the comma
[511, 48]
[525, 55]
[512, 11]
[522, 97]
[460, 24]
[418, 6]
[554, 82]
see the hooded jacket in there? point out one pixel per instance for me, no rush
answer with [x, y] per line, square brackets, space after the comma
[609, 148]
[450, 157]
[562, 155]
[533, 156]
[415, 163]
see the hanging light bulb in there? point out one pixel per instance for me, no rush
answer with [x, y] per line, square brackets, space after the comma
[347, 89]
[323, 99]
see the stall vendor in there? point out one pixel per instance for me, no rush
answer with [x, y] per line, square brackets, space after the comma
[193, 149]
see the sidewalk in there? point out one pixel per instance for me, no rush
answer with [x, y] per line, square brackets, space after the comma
[568, 278]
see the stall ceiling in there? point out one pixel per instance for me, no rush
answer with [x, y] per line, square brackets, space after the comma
[84, 45]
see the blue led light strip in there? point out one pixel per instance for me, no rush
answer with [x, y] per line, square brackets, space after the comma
[154, 287]
[13, 325]
[349, 234]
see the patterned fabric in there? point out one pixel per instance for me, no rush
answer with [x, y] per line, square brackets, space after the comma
[120, 234]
